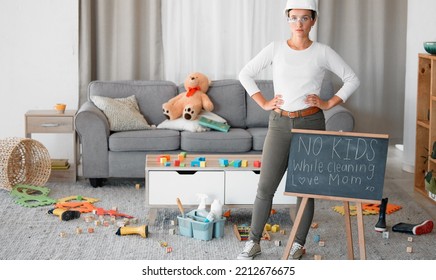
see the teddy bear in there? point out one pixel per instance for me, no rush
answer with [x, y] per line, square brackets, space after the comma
[190, 103]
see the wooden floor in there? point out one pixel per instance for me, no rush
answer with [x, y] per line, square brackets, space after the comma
[405, 181]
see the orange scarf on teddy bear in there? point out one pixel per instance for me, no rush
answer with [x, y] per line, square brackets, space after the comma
[191, 91]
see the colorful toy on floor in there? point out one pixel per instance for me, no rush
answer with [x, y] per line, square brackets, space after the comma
[102, 212]
[368, 209]
[63, 214]
[77, 198]
[82, 207]
[141, 230]
[31, 196]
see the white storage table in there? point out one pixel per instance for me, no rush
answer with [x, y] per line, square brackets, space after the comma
[234, 186]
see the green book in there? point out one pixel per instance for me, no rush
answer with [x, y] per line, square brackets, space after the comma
[214, 124]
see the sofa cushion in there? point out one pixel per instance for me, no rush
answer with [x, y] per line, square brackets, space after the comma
[183, 124]
[258, 134]
[228, 97]
[150, 95]
[256, 116]
[145, 140]
[122, 113]
[236, 140]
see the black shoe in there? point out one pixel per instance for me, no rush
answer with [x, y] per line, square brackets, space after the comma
[381, 224]
[422, 228]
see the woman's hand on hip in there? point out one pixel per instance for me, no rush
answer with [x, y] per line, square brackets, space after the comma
[274, 103]
[314, 101]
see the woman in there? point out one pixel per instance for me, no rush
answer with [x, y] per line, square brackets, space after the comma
[299, 65]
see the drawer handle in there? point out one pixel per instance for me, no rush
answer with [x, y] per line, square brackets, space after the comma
[50, 125]
[256, 172]
[187, 172]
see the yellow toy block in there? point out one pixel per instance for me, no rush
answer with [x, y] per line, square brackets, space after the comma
[267, 227]
[275, 228]
[202, 164]
[244, 163]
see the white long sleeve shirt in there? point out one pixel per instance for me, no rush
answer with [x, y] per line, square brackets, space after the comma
[298, 73]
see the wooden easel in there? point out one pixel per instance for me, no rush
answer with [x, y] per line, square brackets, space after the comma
[346, 201]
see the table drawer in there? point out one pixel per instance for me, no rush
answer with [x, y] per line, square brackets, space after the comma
[50, 124]
[165, 186]
[241, 187]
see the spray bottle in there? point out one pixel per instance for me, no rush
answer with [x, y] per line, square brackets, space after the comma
[201, 210]
[216, 211]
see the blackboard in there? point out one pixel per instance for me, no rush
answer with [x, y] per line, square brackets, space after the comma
[337, 164]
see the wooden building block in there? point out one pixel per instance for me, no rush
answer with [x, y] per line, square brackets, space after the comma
[321, 243]
[317, 257]
[409, 249]
[137, 186]
[314, 225]
[275, 228]
[410, 239]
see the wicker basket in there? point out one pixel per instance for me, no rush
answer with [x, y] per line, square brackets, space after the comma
[23, 161]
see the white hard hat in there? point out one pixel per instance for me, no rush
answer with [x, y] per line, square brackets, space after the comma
[301, 4]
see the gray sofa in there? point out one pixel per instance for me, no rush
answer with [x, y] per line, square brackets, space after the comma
[107, 154]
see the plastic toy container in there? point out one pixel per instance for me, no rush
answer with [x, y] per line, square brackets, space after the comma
[185, 226]
[218, 228]
[202, 230]
[196, 227]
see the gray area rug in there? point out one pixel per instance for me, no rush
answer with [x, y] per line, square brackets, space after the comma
[32, 234]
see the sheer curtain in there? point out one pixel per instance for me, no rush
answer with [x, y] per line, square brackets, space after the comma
[217, 37]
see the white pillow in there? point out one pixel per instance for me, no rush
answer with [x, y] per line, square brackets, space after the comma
[123, 113]
[183, 124]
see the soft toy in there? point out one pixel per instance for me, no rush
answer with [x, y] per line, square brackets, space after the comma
[190, 103]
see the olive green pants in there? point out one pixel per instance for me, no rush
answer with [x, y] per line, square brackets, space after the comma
[274, 164]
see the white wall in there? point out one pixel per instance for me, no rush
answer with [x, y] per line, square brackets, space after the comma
[38, 63]
[421, 23]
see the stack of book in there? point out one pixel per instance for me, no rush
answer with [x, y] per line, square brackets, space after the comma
[60, 164]
[214, 124]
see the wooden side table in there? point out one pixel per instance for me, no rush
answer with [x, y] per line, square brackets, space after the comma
[49, 121]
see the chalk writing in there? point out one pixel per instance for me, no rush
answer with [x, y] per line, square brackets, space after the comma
[337, 165]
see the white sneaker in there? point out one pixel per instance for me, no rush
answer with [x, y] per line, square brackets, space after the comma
[251, 250]
[297, 251]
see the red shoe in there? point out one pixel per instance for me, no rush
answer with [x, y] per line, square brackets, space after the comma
[423, 228]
